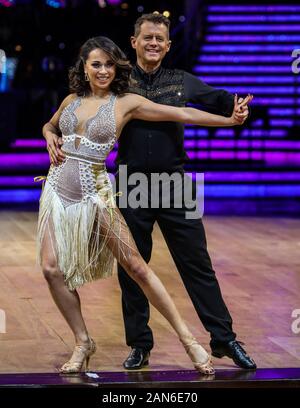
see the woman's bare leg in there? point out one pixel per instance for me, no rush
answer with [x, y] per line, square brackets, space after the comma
[68, 302]
[122, 245]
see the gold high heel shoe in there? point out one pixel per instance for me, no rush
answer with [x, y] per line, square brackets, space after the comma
[204, 368]
[80, 358]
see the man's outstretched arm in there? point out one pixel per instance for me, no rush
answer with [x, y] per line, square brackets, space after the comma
[215, 100]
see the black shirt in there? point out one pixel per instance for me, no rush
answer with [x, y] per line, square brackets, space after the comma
[158, 146]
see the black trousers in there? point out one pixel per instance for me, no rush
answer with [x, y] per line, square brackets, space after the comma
[186, 241]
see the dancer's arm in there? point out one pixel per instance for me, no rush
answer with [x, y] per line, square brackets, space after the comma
[215, 100]
[142, 108]
[218, 101]
[52, 134]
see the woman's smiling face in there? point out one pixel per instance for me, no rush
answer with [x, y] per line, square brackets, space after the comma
[100, 69]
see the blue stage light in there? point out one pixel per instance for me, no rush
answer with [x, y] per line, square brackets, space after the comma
[56, 3]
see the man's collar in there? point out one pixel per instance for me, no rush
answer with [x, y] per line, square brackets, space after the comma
[148, 75]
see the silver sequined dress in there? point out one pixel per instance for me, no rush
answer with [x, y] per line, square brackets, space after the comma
[79, 226]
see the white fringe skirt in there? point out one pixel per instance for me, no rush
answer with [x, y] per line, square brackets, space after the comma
[85, 236]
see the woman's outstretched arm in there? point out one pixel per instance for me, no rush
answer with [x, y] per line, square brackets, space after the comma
[147, 110]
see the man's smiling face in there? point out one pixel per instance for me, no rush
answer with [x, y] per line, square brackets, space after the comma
[152, 43]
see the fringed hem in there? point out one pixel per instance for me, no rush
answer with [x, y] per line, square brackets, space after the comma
[79, 239]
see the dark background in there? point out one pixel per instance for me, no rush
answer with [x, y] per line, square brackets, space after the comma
[45, 41]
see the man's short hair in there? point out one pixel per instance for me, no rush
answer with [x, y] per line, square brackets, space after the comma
[155, 18]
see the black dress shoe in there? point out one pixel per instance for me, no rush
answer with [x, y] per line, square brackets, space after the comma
[234, 350]
[137, 358]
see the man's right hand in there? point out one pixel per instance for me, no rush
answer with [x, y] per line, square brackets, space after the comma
[54, 143]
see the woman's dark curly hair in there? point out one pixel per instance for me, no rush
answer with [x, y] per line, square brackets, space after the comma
[77, 82]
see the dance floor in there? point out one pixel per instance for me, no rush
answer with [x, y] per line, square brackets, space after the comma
[257, 263]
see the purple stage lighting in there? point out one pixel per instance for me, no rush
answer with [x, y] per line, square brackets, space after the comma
[258, 27]
[114, 2]
[252, 19]
[249, 38]
[271, 90]
[7, 3]
[251, 191]
[249, 48]
[245, 58]
[254, 9]
[284, 112]
[269, 158]
[285, 69]
[242, 144]
[222, 80]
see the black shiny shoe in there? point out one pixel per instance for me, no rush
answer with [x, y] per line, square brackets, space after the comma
[138, 358]
[235, 351]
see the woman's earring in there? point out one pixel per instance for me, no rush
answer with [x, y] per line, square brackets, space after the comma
[86, 77]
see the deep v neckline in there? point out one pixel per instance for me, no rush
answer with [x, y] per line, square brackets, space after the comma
[90, 119]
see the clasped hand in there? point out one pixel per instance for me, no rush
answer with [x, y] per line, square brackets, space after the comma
[240, 111]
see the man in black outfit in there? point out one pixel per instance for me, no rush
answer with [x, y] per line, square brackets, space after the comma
[151, 147]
